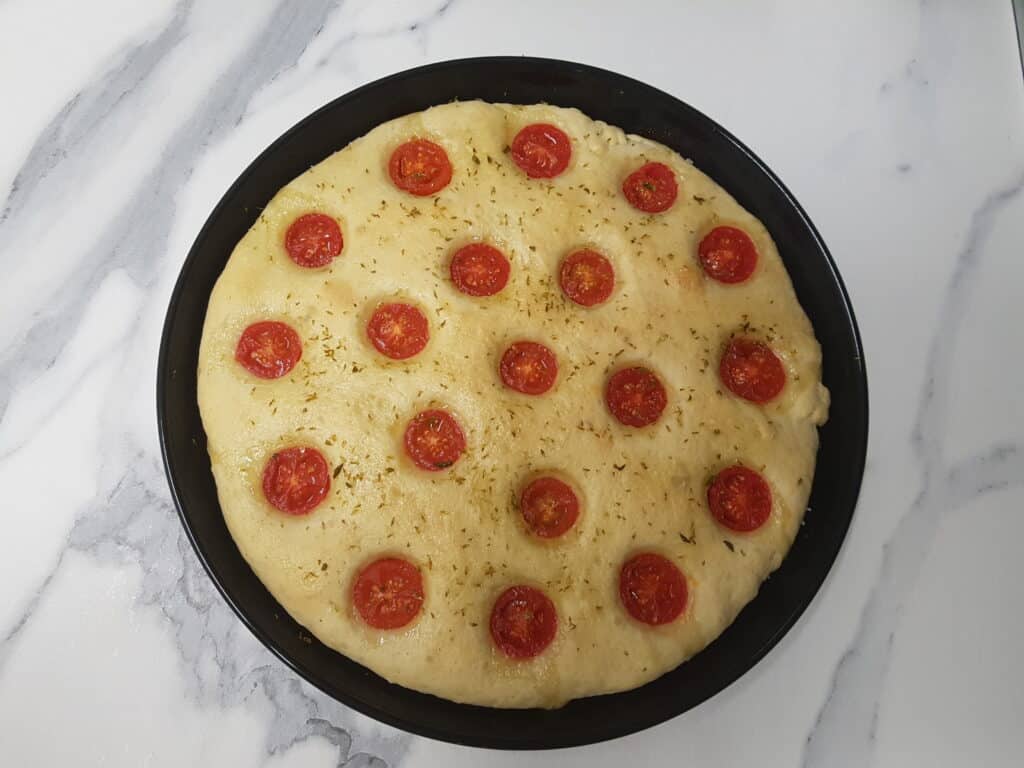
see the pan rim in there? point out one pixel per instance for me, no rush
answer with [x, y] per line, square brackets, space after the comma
[544, 740]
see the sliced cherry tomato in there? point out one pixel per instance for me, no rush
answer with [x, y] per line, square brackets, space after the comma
[727, 255]
[388, 593]
[635, 396]
[528, 367]
[523, 622]
[751, 370]
[586, 277]
[479, 269]
[296, 480]
[652, 188]
[652, 589]
[549, 507]
[434, 440]
[268, 349]
[398, 331]
[313, 240]
[740, 499]
[420, 167]
[541, 150]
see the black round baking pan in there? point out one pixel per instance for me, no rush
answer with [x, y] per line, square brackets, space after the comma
[639, 109]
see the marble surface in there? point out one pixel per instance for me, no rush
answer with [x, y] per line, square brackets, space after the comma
[900, 127]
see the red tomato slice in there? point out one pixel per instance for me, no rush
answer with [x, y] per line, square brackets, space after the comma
[398, 331]
[523, 622]
[528, 367]
[727, 255]
[652, 589]
[751, 370]
[586, 277]
[434, 440]
[420, 167]
[296, 480]
[313, 240]
[740, 499]
[478, 269]
[388, 593]
[268, 349]
[652, 188]
[635, 396]
[541, 150]
[549, 507]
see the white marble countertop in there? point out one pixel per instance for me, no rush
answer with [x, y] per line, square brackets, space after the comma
[899, 126]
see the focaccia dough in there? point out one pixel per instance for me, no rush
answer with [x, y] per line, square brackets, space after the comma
[641, 489]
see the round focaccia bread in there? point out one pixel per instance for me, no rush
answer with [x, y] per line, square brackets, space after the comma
[513, 475]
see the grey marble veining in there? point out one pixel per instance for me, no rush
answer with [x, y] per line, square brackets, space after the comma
[844, 732]
[90, 125]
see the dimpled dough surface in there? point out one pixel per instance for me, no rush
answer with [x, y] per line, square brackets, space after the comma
[639, 488]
